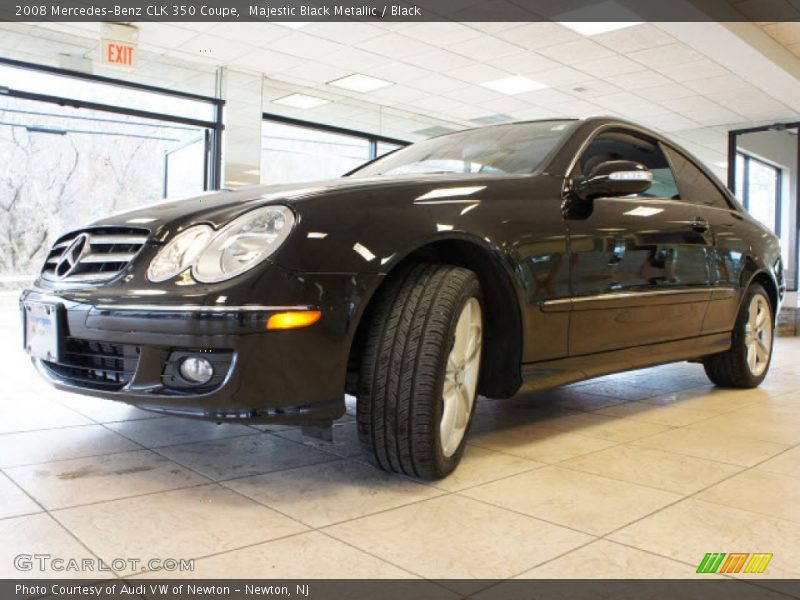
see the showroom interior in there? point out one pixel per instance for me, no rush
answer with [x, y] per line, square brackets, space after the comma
[633, 475]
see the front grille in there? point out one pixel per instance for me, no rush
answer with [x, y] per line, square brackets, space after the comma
[93, 255]
[96, 365]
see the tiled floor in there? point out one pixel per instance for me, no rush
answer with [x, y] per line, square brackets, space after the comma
[636, 475]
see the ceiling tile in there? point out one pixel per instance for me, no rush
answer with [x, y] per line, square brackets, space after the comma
[436, 84]
[527, 63]
[633, 39]
[560, 76]
[399, 72]
[305, 46]
[662, 93]
[640, 80]
[487, 48]
[441, 34]
[539, 35]
[692, 71]
[442, 60]
[256, 34]
[478, 73]
[343, 33]
[612, 65]
[576, 52]
[666, 56]
[395, 46]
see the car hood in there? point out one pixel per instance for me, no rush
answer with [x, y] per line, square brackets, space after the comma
[218, 208]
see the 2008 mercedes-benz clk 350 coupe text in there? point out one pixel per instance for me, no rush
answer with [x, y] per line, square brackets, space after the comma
[512, 257]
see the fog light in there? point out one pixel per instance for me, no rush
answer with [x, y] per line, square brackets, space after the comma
[196, 370]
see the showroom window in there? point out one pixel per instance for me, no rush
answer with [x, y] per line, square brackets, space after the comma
[294, 150]
[758, 186]
[98, 147]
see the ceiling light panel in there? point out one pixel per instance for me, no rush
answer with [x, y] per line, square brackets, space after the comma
[358, 82]
[590, 28]
[514, 85]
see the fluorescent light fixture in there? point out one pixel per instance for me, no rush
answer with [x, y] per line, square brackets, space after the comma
[360, 83]
[643, 211]
[590, 28]
[514, 85]
[450, 192]
[364, 252]
[301, 101]
[316, 235]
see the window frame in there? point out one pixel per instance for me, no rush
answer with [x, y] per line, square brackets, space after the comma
[725, 196]
[213, 166]
[635, 133]
[371, 138]
[745, 193]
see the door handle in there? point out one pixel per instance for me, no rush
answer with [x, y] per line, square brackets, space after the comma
[700, 225]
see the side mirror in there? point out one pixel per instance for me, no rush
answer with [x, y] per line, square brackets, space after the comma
[614, 178]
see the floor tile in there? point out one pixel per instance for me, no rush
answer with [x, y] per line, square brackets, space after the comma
[582, 501]
[654, 468]
[538, 443]
[345, 440]
[241, 456]
[321, 557]
[331, 492]
[153, 433]
[671, 415]
[32, 414]
[712, 445]
[186, 523]
[13, 501]
[787, 463]
[707, 398]
[688, 530]
[103, 411]
[100, 478]
[32, 447]
[605, 427]
[479, 465]
[757, 423]
[455, 537]
[38, 534]
[608, 560]
[772, 494]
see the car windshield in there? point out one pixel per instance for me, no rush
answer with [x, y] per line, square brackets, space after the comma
[512, 148]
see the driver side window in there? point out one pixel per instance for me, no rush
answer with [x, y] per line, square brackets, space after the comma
[622, 145]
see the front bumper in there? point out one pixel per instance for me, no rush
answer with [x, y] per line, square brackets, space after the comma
[129, 351]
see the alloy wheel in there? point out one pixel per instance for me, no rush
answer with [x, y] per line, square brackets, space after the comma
[461, 377]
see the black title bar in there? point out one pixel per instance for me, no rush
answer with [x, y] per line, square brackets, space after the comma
[399, 10]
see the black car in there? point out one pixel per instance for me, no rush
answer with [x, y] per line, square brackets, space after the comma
[514, 257]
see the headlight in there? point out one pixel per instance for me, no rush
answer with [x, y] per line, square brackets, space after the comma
[179, 254]
[243, 244]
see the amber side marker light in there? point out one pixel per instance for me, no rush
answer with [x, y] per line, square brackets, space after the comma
[293, 319]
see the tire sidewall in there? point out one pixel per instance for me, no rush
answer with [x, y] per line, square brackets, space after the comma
[446, 464]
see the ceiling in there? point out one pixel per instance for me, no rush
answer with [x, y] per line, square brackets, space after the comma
[693, 81]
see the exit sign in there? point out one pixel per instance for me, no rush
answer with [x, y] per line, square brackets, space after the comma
[119, 45]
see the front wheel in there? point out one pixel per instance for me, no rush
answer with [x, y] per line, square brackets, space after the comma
[746, 364]
[419, 369]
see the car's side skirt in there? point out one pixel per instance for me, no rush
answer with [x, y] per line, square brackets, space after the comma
[548, 374]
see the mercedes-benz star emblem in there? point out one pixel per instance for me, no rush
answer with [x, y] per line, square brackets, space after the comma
[72, 256]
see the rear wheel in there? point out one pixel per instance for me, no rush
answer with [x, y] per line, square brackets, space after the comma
[419, 369]
[747, 362]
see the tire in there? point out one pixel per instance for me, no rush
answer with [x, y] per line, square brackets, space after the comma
[746, 363]
[408, 358]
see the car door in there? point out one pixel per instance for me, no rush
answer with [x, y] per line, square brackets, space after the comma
[639, 265]
[731, 239]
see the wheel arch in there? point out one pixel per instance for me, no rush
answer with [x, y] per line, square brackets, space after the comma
[503, 338]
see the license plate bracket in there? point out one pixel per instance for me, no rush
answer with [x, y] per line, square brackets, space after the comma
[43, 322]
